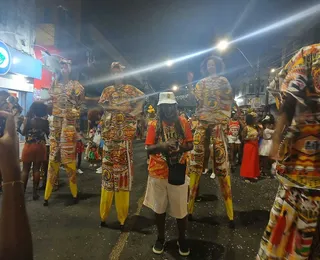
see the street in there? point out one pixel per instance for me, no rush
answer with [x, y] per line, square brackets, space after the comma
[64, 231]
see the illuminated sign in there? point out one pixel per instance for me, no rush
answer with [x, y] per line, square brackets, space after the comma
[5, 59]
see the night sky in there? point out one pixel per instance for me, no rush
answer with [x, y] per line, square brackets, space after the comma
[150, 31]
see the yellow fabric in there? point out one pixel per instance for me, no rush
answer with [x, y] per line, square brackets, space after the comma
[193, 187]
[121, 202]
[53, 173]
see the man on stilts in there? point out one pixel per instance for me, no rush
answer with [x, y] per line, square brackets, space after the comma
[122, 104]
[67, 96]
[214, 96]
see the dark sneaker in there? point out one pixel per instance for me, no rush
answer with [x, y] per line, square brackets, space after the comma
[184, 249]
[158, 247]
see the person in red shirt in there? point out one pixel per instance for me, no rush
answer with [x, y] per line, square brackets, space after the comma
[169, 138]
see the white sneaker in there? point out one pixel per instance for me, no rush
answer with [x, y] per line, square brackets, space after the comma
[85, 158]
[99, 170]
[90, 165]
[80, 171]
[212, 176]
[205, 171]
[95, 165]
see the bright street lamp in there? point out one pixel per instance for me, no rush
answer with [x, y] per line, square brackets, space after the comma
[175, 88]
[223, 45]
[169, 63]
[272, 70]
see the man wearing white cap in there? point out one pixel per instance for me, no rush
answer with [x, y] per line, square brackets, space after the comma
[168, 139]
[122, 104]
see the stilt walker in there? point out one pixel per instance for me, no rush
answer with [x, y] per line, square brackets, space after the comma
[122, 104]
[293, 228]
[67, 96]
[214, 96]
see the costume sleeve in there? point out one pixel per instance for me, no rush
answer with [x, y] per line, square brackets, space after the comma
[295, 82]
[198, 91]
[105, 97]
[225, 87]
[151, 133]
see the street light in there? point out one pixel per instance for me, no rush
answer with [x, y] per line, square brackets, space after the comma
[223, 45]
[175, 88]
[169, 63]
[272, 70]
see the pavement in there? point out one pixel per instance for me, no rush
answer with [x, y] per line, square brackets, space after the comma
[66, 231]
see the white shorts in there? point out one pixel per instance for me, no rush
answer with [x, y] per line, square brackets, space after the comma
[161, 195]
[233, 139]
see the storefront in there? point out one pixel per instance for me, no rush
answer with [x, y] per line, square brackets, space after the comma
[17, 73]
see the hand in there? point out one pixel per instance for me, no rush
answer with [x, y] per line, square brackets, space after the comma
[9, 150]
[168, 146]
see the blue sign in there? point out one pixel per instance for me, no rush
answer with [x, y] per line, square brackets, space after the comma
[5, 58]
[25, 64]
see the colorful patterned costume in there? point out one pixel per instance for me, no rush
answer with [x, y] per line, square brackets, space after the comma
[215, 100]
[66, 101]
[295, 215]
[118, 131]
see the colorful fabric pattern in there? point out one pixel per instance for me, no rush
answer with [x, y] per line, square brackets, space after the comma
[292, 225]
[158, 167]
[120, 125]
[67, 99]
[214, 96]
[117, 166]
[234, 129]
[221, 164]
[301, 164]
[34, 135]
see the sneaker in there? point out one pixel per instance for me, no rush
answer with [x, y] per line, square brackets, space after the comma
[80, 171]
[158, 247]
[95, 165]
[212, 176]
[99, 170]
[90, 165]
[205, 171]
[184, 249]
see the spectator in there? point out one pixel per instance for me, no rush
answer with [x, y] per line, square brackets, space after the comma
[168, 139]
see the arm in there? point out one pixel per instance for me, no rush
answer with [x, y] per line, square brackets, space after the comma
[284, 120]
[244, 134]
[15, 235]
[24, 127]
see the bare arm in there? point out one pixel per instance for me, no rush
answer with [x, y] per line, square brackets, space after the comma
[15, 235]
[284, 120]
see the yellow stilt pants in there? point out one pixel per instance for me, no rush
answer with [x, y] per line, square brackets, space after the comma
[53, 172]
[121, 202]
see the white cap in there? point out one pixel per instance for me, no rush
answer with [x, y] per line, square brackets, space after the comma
[167, 98]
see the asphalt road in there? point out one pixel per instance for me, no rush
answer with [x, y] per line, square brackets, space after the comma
[65, 231]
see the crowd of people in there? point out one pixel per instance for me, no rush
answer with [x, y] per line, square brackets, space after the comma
[179, 151]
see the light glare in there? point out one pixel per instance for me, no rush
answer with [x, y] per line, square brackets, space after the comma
[223, 45]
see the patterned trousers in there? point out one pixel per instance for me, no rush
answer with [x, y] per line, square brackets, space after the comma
[62, 151]
[221, 165]
[117, 174]
[293, 228]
